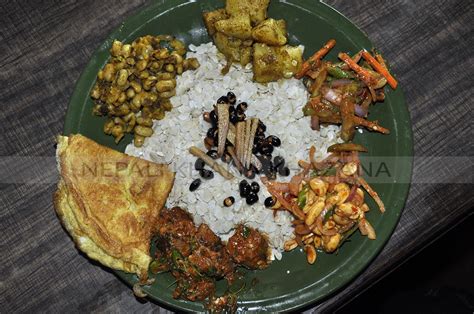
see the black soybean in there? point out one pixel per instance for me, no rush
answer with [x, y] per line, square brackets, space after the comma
[255, 187]
[255, 148]
[206, 174]
[212, 133]
[240, 116]
[194, 185]
[251, 199]
[199, 164]
[213, 117]
[266, 149]
[212, 153]
[269, 201]
[231, 98]
[242, 107]
[244, 188]
[259, 138]
[223, 100]
[229, 201]
[274, 140]
[233, 117]
[284, 171]
[279, 162]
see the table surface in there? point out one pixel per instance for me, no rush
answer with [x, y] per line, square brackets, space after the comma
[46, 44]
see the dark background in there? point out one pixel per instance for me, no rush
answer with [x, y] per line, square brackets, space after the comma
[44, 46]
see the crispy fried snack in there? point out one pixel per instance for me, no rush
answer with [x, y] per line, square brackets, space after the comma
[109, 202]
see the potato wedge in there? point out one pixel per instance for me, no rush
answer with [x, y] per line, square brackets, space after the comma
[271, 32]
[256, 8]
[228, 46]
[273, 63]
[238, 26]
[210, 19]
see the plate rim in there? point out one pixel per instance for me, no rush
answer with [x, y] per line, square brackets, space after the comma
[71, 124]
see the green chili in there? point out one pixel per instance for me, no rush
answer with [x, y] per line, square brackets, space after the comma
[245, 232]
[302, 196]
[339, 73]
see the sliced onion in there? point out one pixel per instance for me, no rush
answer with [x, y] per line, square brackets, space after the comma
[295, 184]
[352, 193]
[360, 111]
[331, 95]
[315, 123]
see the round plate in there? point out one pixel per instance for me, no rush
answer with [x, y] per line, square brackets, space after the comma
[291, 282]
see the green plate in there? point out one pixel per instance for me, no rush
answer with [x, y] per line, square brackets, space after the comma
[290, 283]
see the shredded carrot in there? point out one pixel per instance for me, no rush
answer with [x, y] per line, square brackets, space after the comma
[315, 58]
[363, 74]
[379, 68]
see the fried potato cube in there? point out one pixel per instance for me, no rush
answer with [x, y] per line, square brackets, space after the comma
[210, 19]
[238, 26]
[273, 63]
[245, 55]
[233, 48]
[271, 32]
[256, 8]
[228, 46]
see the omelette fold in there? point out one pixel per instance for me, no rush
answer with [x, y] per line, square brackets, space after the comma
[110, 202]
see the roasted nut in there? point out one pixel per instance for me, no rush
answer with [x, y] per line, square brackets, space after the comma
[165, 86]
[138, 140]
[109, 72]
[341, 192]
[349, 169]
[163, 76]
[117, 130]
[168, 94]
[166, 105]
[116, 48]
[148, 122]
[108, 125]
[366, 229]
[179, 69]
[290, 245]
[138, 77]
[143, 131]
[317, 241]
[340, 220]
[348, 210]
[122, 77]
[136, 86]
[318, 186]
[365, 208]
[122, 98]
[191, 64]
[95, 93]
[313, 212]
[130, 93]
[331, 243]
[310, 254]
[141, 65]
[126, 50]
[308, 239]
